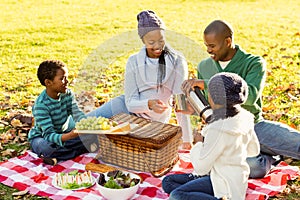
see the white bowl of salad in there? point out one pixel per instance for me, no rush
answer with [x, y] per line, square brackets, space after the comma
[118, 185]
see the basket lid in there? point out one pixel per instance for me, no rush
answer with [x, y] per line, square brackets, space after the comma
[148, 132]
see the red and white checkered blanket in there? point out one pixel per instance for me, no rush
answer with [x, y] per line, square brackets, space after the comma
[27, 172]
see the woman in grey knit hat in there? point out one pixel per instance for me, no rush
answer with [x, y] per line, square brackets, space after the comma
[152, 76]
[219, 162]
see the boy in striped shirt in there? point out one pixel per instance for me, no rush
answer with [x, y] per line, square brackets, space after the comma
[54, 137]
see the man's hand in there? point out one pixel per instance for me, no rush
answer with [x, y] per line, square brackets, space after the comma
[189, 85]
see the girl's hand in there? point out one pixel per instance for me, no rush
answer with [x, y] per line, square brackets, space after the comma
[197, 137]
[157, 105]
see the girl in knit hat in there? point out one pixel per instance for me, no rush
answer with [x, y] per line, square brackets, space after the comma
[220, 167]
[152, 76]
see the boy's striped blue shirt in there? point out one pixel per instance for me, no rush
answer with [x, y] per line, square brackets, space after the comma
[51, 114]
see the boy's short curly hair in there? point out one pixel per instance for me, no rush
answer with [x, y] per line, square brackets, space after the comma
[47, 70]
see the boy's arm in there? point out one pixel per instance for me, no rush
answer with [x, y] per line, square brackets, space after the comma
[43, 121]
[47, 128]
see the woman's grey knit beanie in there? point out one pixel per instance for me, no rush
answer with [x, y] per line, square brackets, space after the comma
[148, 21]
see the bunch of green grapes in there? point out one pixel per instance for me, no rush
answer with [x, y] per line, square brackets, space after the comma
[95, 123]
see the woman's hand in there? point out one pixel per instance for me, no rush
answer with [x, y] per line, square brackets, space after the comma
[189, 85]
[157, 105]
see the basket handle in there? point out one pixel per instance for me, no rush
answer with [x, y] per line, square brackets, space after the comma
[158, 174]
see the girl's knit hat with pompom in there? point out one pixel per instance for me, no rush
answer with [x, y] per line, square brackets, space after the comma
[148, 21]
[228, 89]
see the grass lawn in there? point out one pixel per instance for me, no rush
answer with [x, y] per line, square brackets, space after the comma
[95, 38]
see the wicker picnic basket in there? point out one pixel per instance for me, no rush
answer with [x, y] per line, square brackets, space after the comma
[150, 147]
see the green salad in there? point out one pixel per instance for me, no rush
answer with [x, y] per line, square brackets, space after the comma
[118, 180]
